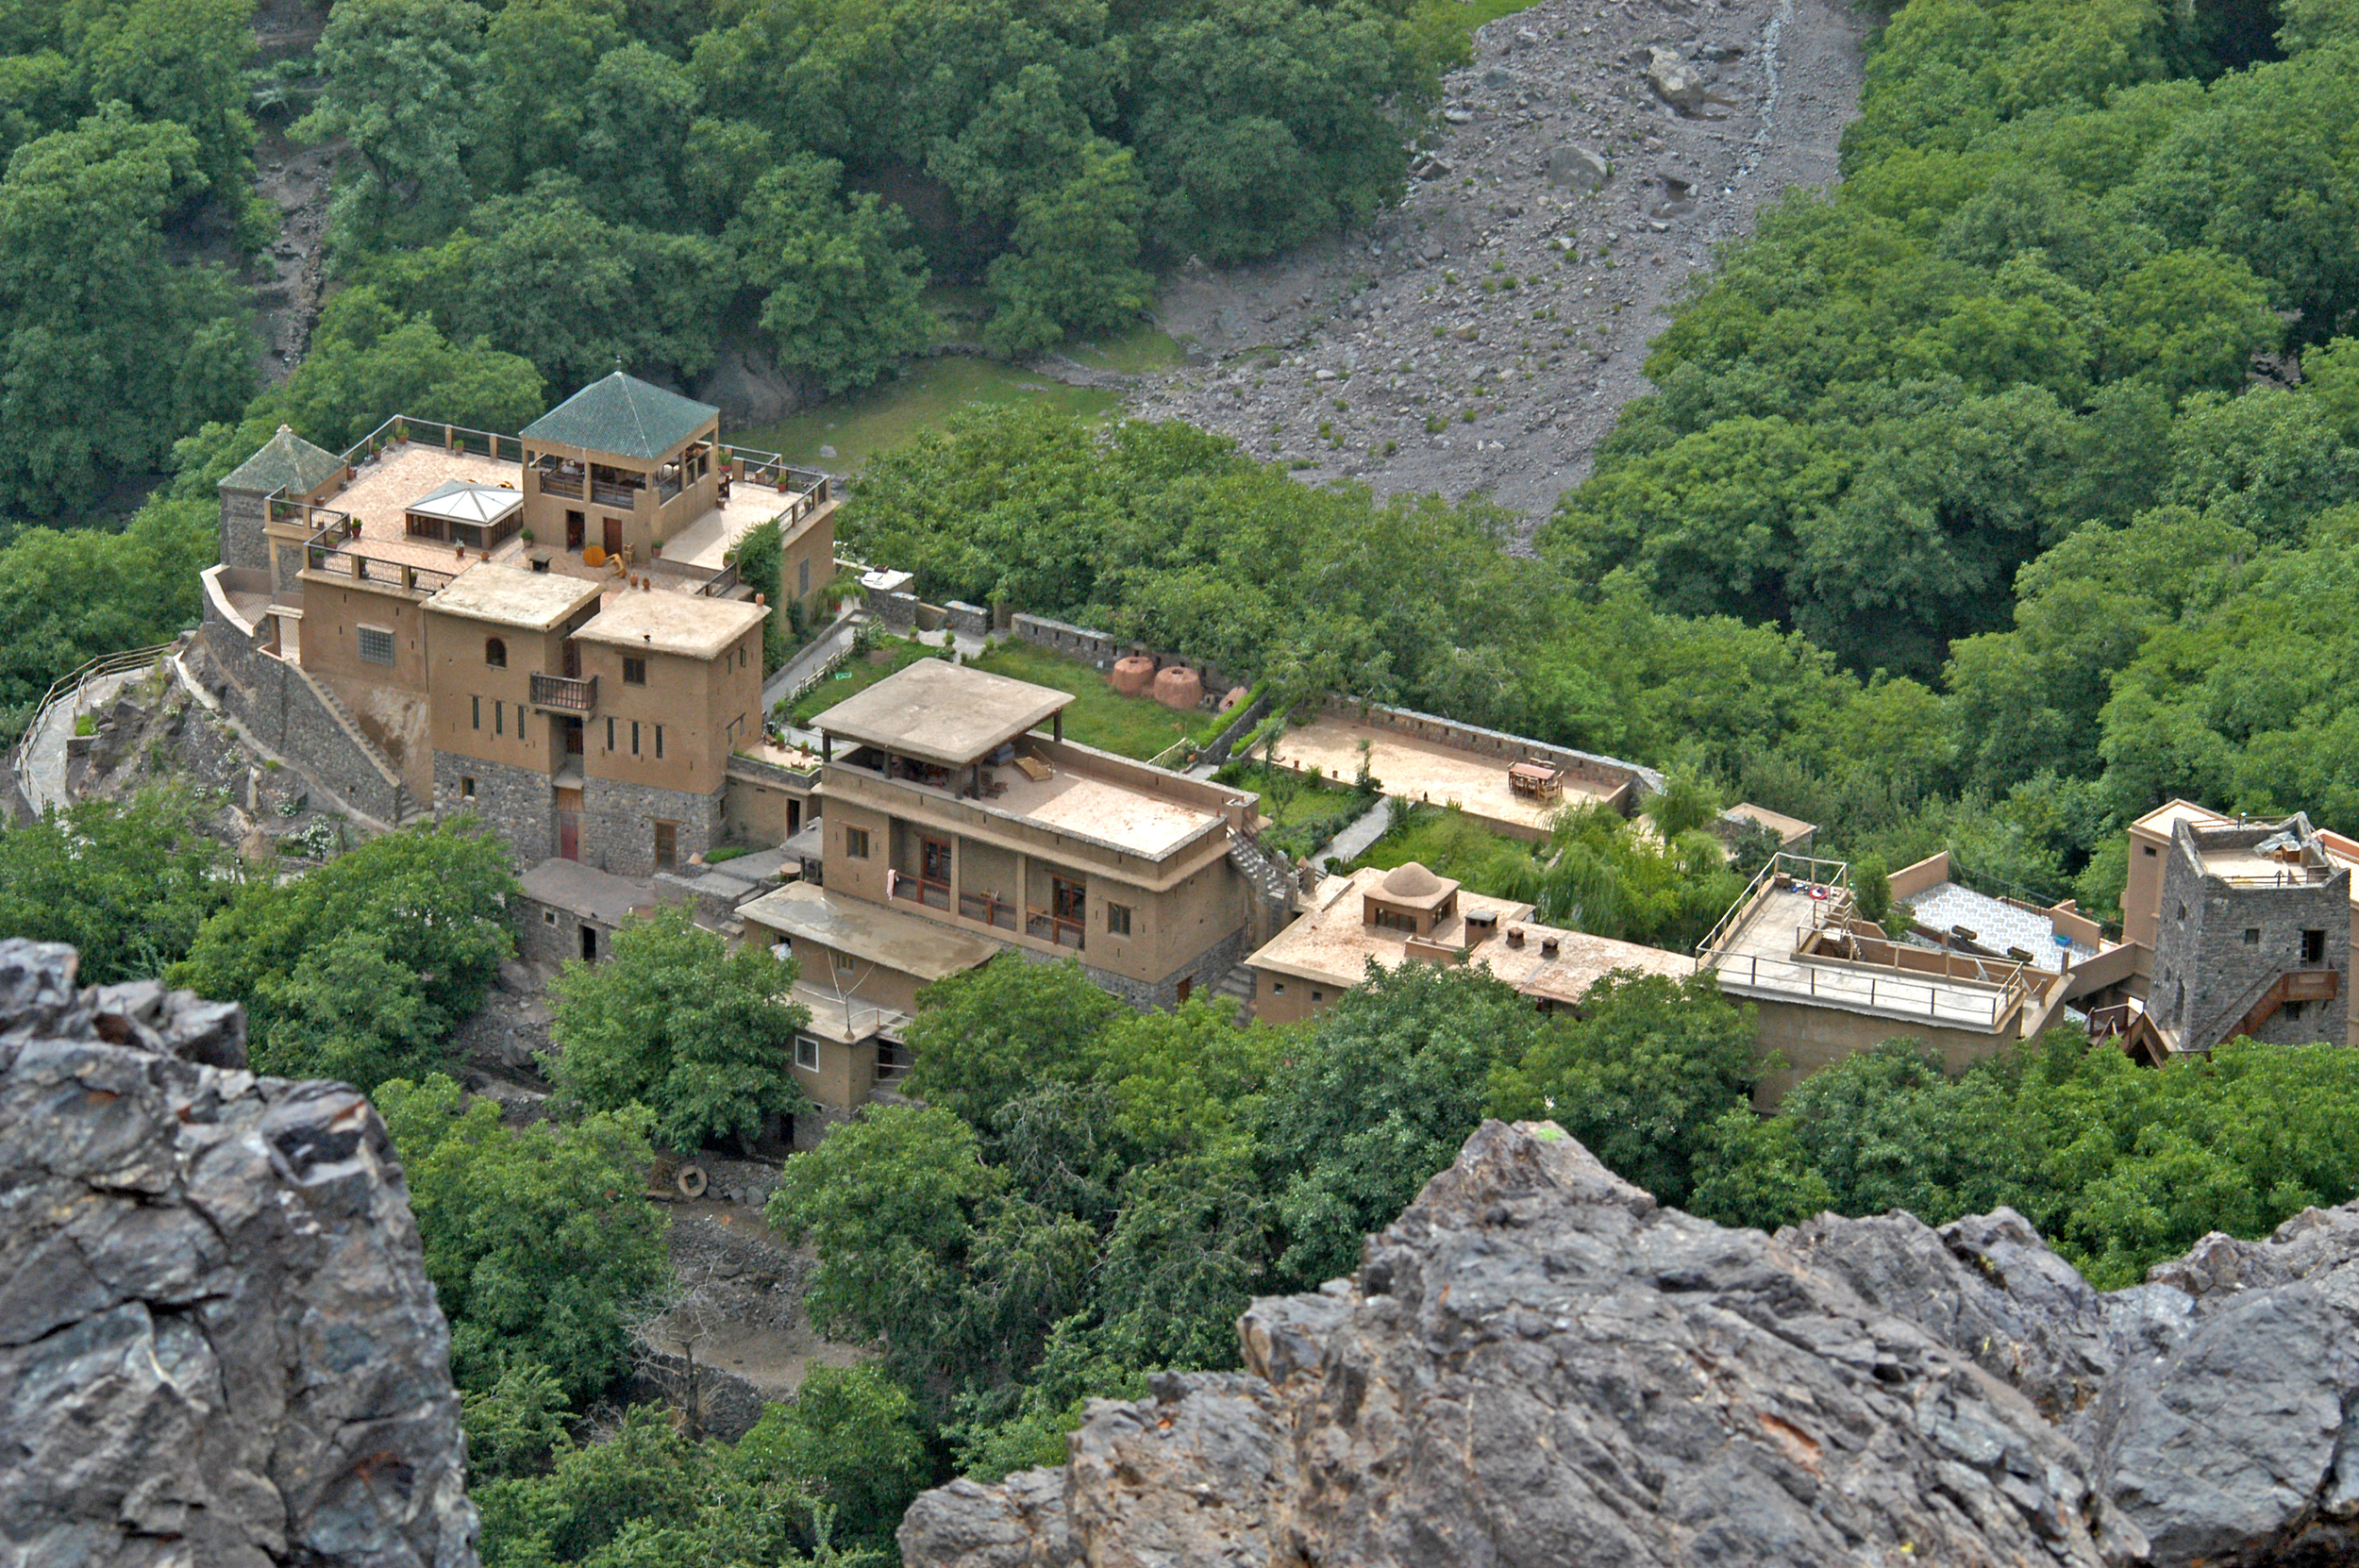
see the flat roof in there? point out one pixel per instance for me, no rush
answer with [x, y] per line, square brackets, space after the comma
[1416, 769]
[902, 943]
[462, 501]
[530, 601]
[1787, 828]
[587, 890]
[670, 622]
[1996, 924]
[947, 714]
[1758, 958]
[1332, 945]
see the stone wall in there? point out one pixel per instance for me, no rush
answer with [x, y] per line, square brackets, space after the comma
[1204, 972]
[972, 622]
[2207, 975]
[515, 802]
[550, 934]
[244, 545]
[1099, 648]
[293, 714]
[618, 824]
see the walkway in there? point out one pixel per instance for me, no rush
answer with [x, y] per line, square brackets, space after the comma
[1358, 837]
[805, 664]
[44, 778]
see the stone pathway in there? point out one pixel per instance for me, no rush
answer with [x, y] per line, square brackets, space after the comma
[44, 779]
[1355, 840]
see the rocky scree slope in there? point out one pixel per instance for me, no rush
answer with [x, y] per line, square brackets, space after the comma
[1537, 1364]
[1485, 334]
[218, 1346]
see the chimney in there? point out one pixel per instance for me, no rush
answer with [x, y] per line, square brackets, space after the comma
[1514, 935]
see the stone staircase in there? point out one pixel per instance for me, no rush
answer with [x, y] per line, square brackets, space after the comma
[404, 808]
[1238, 986]
[1273, 885]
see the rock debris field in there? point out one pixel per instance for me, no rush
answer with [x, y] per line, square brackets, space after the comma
[1484, 334]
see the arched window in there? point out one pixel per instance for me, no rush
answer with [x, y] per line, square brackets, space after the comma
[495, 653]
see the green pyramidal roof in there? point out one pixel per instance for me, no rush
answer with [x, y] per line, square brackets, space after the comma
[623, 415]
[287, 463]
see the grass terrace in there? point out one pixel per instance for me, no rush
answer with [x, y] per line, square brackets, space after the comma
[1450, 844]
[1100, 716]
[1304, 813]
[858, 674]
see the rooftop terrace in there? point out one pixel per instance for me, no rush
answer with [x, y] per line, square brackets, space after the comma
[1419, 770]
[1791, 939]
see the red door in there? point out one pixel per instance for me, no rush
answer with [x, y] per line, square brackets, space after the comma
[614, 535]
[569, 835]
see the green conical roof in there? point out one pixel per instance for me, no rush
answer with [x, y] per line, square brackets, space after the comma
[287, 463]
[623, 415]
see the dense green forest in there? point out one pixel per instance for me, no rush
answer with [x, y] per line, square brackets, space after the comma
[1984, 502]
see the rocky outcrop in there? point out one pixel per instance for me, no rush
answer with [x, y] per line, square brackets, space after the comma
[218, 1347]
[1536, 1364]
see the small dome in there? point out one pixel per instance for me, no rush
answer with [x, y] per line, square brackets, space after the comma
[1412, 880]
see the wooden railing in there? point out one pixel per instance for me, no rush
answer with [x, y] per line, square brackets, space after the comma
[1043, 926]
[566, 693]
[988, 907]
[917, 889]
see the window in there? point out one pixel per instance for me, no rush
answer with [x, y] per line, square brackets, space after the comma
[634, 672]
[802, 578]
[478, 711]
[495, 653]
[1277, 988]
[933, 859]
[1066, 900]
[2253, 936]
[843, 963]
[2150, 849]
[1317, 996]
[499, 717]
[549, 917]
[376, 644]
[466, 788]
[806, 1053]
[856, 843]
[658, 743]
[783, 947]
[2313, 947]
[610, 735]
[2182, 912]
[1118, 919]
[634, 737]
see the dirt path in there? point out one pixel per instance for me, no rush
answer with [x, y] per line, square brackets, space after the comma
[1504, 287]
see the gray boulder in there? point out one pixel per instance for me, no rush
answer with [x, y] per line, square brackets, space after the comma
[1576, 168]
[218, 1347]
[1536, 1364]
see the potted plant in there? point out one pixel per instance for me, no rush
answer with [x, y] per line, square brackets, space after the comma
[527, 536]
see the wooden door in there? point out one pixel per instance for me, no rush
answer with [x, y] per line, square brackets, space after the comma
[569, 835]
[614, 535]
[666, 846]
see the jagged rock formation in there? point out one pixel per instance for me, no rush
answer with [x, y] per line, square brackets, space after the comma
[218, 1347]
[1536, 1364]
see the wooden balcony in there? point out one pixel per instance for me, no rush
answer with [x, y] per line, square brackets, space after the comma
[565, 694]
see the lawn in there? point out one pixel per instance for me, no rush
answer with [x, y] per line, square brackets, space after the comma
[894, 412]
[1304, 813]
[858, 674]
[1450, 844]
[1136, 352]
[1100, 716]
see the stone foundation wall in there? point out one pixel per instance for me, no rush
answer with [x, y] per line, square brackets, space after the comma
[547, 933]
[286, 712]
[618, 824]
[969, 621]
[242, 543]
[515, 802]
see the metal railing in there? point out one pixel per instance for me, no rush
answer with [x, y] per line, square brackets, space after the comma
[1937, 1001]
[1801, 868]
[565, 691]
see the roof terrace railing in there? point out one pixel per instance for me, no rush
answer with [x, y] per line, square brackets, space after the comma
[1800, 868]
[1950, 1001]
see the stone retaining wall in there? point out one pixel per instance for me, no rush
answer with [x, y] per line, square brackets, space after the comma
[288, 713]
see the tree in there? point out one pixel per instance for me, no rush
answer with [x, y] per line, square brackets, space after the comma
[127, 885]
[184, 61]
[841, 299]
[543, 276]
[69, 595]
[894, 1203]
[1070, 267]
[985, 1037]
[847, 1440]
[1387, 1087]
[1640, 1076]
[676, 1021]
[111, 350]
[537, 1238]
[427, 903]
[401, 83]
